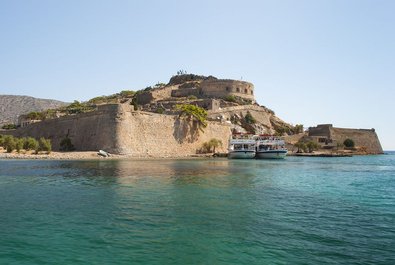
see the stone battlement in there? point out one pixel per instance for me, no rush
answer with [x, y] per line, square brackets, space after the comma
[366, 138]
[200, 87]
[119, 130]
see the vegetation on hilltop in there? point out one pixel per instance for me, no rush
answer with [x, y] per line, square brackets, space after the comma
[194, 113]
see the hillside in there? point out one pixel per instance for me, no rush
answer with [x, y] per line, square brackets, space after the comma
[12, 106]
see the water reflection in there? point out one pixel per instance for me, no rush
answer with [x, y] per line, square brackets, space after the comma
[206, 172]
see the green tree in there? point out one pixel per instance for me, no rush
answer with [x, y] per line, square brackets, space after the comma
[210, 146]
[66, 145]
[349, 143]
[127, 93]
[34, 115]
[30, 144]
[9, 143]
[160, 110]
[214, 143]
[249, 118]
[301, 147]
[9, 126]
[45, 145]
[19, 144]
[298, 128]
[192, 97]
[311, 146]
[193, 112]
[230, 98]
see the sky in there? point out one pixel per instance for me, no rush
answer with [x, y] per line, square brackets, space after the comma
[312, 62]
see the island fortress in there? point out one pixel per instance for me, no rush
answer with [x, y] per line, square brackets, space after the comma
[148, 123]
[200, 87]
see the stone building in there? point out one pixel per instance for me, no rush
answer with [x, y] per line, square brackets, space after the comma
[24, 120]
[200, 87]
[217, 89]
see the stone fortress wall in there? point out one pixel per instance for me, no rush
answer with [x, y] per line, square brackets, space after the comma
[148, 134]
[218, 88]
[87, 131]
[117, 129]
[362, 137]
[222, 88]
[206, 88]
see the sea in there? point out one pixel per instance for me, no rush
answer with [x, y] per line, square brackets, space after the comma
[300, 210]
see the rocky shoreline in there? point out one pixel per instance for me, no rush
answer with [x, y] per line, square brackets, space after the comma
[86, 155]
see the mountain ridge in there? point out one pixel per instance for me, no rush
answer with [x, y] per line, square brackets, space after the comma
[12, 106]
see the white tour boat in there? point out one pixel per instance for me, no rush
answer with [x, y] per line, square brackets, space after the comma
[269, 146]
[241, 146]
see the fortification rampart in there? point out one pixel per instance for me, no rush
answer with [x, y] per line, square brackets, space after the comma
[361, 137]
[321, 130]
[150, 134]
[155, 94]
[117, 129]
[223, 87]
[366, 138]
[88, 131]
[209, 88]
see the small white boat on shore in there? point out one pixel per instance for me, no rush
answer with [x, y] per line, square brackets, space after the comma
[241, 146]
[269, 146]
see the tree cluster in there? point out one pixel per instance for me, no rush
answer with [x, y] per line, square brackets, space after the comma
[11, 143]
[210, 146]
[304, 147]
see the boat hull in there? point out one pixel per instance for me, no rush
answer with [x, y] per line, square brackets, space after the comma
[241, 154]
[272, 154]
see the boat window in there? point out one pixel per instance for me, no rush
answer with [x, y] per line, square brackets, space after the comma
[238, 146]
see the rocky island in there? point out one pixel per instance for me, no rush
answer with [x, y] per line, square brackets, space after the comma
[179, 119]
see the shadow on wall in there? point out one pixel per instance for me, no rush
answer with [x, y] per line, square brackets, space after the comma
[185, 130]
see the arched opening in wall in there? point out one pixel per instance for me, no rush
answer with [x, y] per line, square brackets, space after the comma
[246, 91]
[228, 89]
[238, 89]
[252, 92]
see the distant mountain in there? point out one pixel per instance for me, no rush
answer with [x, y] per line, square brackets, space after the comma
[12, 106]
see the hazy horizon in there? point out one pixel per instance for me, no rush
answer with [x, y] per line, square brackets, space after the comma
[312, 62]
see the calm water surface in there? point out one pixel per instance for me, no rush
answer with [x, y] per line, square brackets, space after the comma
[215, 211]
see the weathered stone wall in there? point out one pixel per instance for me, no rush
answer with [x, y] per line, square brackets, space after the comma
[222, 88]
[361, 137]
[88, 131]
[321, 130]
[117, 129]
[218, 88]
[155, 94]
[150, 134]
[184, 92]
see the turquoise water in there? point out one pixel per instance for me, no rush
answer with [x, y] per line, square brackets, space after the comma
[214, 211]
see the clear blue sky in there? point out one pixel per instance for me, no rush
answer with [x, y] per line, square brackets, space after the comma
[310, 61]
